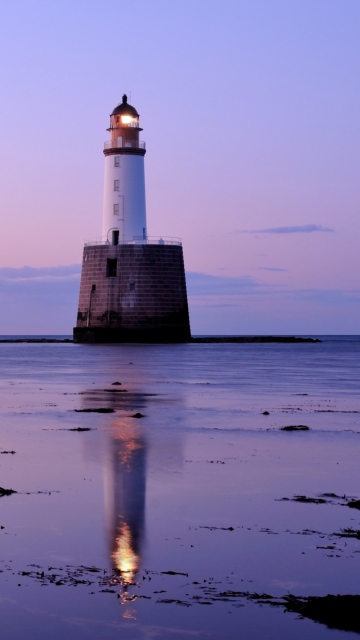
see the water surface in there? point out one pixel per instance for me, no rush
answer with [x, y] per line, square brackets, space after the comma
[137, 527]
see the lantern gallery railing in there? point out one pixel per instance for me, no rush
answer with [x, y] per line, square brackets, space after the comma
[121, 143]
[138, 240]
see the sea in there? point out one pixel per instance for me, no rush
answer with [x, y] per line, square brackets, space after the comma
[178, 491]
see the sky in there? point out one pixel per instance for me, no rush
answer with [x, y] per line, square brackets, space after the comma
[250, 113]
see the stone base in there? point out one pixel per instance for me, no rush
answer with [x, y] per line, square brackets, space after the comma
[133, 293]
[99, 335]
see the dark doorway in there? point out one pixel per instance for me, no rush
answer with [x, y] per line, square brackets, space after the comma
[115, 236]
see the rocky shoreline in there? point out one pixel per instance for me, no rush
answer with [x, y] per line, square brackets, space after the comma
[197, 340]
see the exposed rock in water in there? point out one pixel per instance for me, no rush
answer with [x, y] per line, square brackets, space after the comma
[114, 384]
[99, 410]
[295, 427]
[348, 533]
[6, 492]
[265, 413]
[80, 429]
[138, 415]
[354, 504]
[37, 340]
[247, 339]
[219, 528]
[306, 500]
[337, 612]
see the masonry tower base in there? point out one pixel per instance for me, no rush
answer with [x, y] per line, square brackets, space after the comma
[133, 293]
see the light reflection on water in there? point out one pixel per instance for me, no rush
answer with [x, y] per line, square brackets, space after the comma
[158, 494]
[125, 481]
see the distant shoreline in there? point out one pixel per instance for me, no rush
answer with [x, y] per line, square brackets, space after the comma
[251, 339]
[201, 340]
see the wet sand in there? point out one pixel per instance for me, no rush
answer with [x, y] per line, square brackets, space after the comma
[186, 507]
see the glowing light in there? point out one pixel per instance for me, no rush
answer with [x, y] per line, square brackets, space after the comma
[125, 559]
[130, 442]
[126, 119]
[129, 614]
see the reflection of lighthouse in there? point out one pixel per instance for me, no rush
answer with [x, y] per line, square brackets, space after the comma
[133, 286]
[125, 499]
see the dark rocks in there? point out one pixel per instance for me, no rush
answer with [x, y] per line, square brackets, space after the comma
[98, 410]
[348, 533]
[173, 601]
[336, 611]
[265, 413]
[309, 500]
[305, 499]
[137, 415]
[80, 429]
[219, 528]
[116, 384]
[6, 492]
[36, 340]
[251, 339]
[295, 427]
[353, 504]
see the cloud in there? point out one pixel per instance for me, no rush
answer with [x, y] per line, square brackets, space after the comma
[335, 297]
[271, 269]
[306, 228]
[31, 273]
[203, 284]
[233, 289]
[39, 300]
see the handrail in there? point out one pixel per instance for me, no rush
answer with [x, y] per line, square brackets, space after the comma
[123, 143]
[159, 240]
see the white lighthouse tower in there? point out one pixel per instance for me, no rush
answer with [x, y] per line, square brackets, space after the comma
[124, 209]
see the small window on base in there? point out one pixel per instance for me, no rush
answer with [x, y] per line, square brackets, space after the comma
[132, 286]
[115, 237]
[111, 268]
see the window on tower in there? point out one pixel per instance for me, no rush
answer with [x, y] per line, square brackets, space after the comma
[116, 209]
[116, 185]
[116, 161]
[111, 268]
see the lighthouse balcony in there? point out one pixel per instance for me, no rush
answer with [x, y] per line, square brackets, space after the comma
[158, 240]
[122, 143]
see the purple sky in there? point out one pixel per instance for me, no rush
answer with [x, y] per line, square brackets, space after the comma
[250, 112]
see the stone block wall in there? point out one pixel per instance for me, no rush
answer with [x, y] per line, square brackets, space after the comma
[145, 301]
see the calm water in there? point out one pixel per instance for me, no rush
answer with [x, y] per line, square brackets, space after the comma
[194, 488]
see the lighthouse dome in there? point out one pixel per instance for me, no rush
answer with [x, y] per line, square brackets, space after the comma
[125, 109]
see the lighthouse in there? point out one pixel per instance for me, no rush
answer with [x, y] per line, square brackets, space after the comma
[133, 286]
[124, 209]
